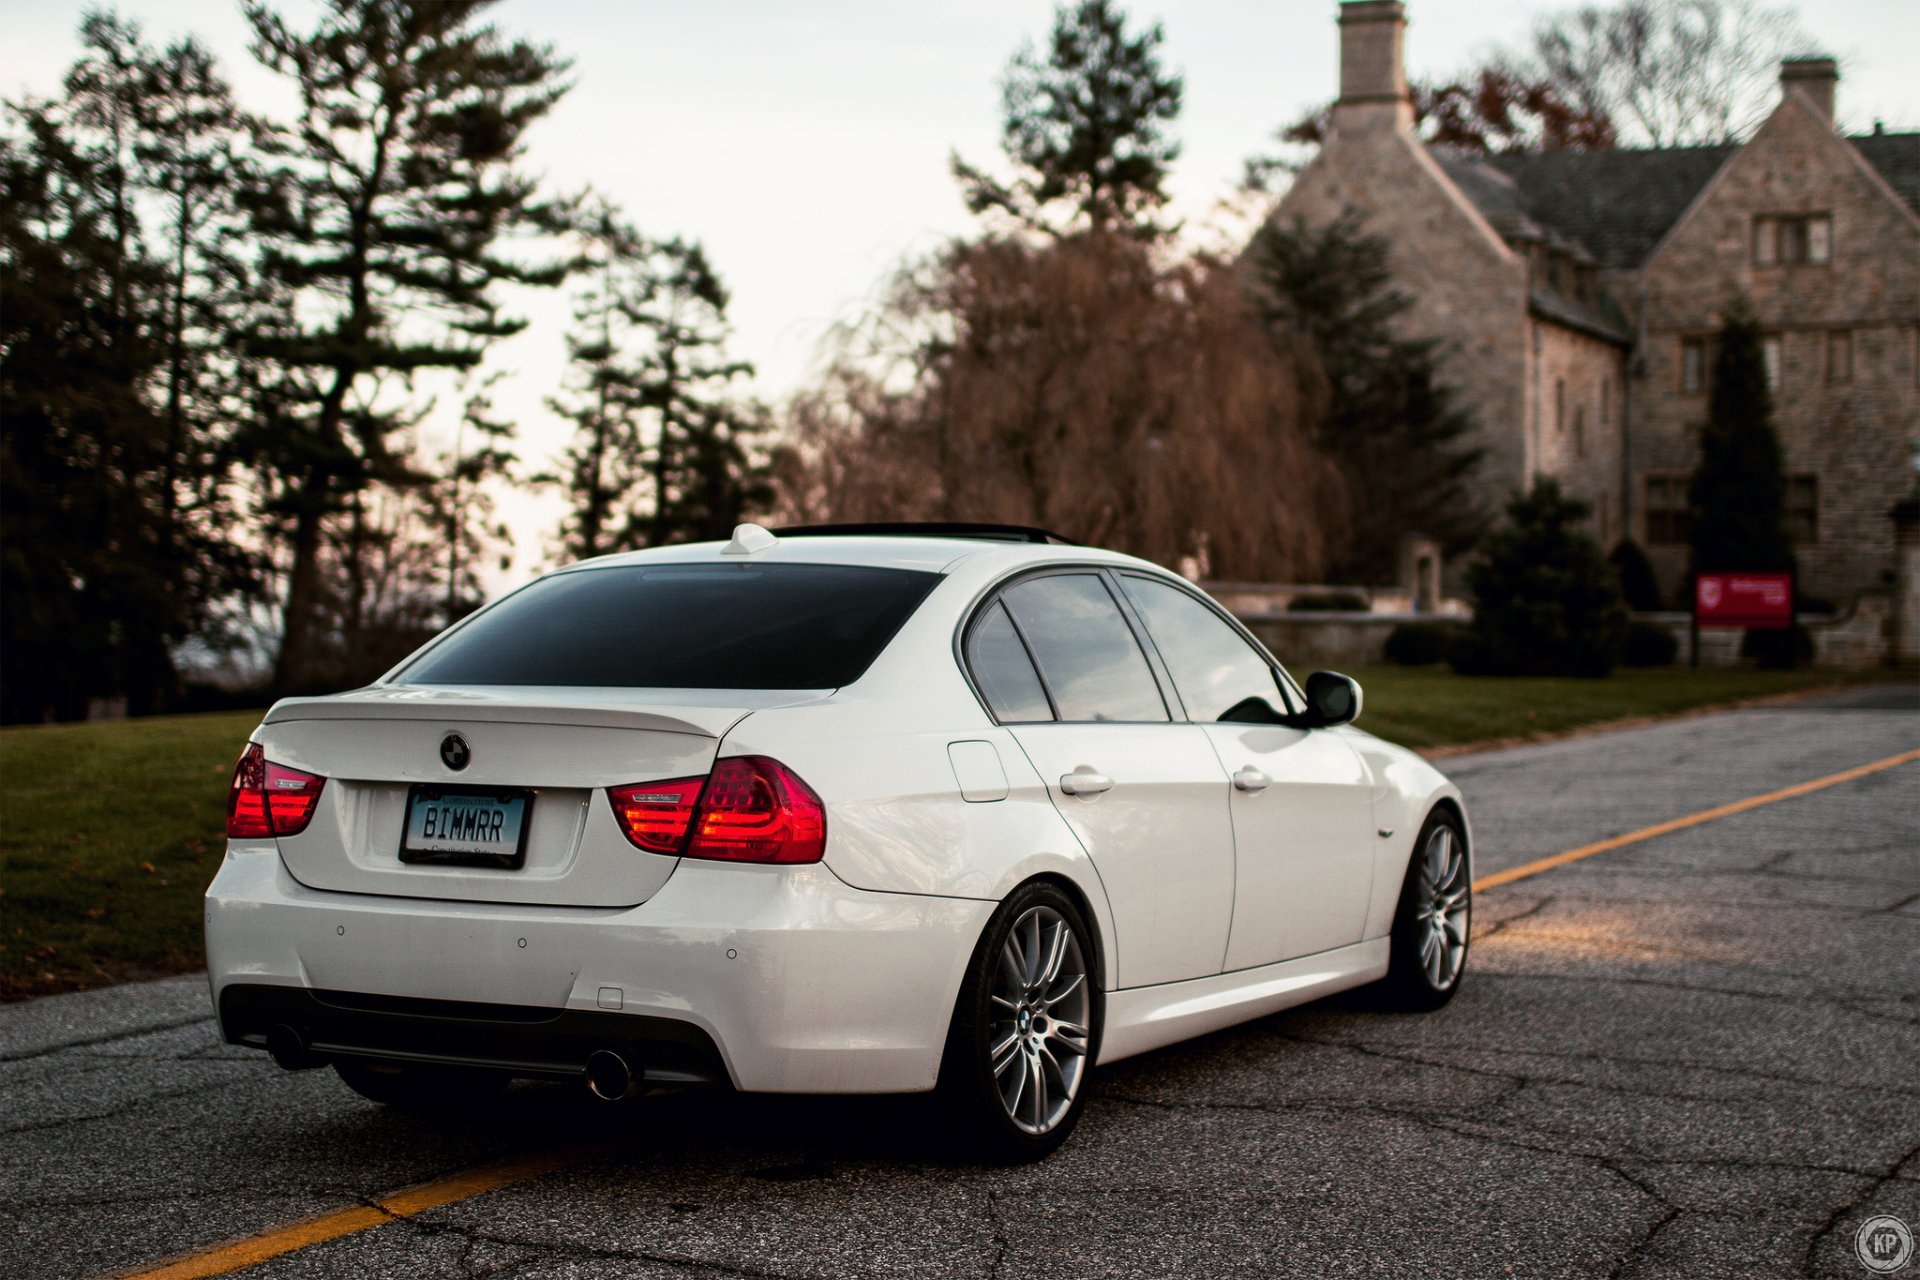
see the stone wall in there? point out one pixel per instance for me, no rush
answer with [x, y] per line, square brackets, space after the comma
[1576, 420]
[1309, 642]
[1851, 434]
[1860, 639]
[1469, 289]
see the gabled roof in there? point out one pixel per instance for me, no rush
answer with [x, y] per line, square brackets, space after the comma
[1616, 205]
[1897, 157]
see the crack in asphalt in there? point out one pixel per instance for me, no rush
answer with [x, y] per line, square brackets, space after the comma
[1842, 1211]
[1824, 999]
[106, 1038]
[1000, 1242]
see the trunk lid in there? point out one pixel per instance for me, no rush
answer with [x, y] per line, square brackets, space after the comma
[558, 748]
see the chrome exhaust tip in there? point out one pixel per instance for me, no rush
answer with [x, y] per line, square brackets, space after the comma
[610, 1077]
[288, 1048]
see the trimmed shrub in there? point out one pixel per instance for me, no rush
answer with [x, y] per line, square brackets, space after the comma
[1648, 644]
[1329, 602]
[1546, 602]
[1638, 584]
[1778, 649]
[1421, 644]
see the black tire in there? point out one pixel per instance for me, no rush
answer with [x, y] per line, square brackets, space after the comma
[994, 1116]
[1414, 980]
[418, 1086]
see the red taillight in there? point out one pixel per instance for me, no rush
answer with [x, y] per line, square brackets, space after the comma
[655, 815]
[749, 809]
[270, 799]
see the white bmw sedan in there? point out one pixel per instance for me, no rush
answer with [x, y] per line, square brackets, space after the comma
[845, 810]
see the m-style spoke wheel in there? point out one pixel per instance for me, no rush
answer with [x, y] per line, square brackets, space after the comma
[1038, 1036]
[1432, 926]
[1024, 1031]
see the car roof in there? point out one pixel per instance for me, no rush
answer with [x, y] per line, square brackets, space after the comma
[890, 551]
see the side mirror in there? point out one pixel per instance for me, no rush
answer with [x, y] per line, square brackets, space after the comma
[1332, 699]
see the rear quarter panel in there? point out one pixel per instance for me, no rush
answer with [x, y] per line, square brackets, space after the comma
[876, 752]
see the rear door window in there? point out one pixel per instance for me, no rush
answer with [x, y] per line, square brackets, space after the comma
[1218, 675]
[1086, 651]
[1004, 672]
[683, 626]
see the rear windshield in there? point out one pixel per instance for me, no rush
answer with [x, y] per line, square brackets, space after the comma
[728, 626]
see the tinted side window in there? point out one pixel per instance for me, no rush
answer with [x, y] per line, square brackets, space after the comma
[1085, 649]
[1003, 671]
[1213, 668]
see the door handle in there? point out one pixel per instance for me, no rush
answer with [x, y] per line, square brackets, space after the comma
[1251, 779]
[1085, 782]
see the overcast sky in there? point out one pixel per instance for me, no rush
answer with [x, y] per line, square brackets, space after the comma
[806, 143]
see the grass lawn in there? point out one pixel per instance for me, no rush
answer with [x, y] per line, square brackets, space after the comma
[1427, 707]
[110, 833]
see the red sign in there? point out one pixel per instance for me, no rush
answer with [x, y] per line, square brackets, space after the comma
[1743, 599]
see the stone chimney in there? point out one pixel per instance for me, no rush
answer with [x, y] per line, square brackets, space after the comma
[1815, 78]
[1373, 75]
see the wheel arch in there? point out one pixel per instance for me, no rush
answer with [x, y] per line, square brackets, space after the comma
[1450, 805]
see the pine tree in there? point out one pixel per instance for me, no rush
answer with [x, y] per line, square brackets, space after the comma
[1738, 494]
[114, 441]
[1086, 128]
[663, 444]
[397, 184]
[1397, 430]
[700, 430]
[604, 465]
[1545, 600]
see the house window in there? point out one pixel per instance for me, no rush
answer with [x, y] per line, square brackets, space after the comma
[1667, 523]
[1606, 400]
[1773, 352]
[1559, 404]
[1580, 430]
[1792, 241]
[1840, 355]
[1803, 509]
[1693, 365]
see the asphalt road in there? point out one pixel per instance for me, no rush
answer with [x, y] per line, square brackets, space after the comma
[1692, 1056]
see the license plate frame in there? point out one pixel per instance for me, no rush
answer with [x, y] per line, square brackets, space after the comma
[437, 850]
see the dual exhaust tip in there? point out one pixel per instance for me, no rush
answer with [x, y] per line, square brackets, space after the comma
[611, 1076]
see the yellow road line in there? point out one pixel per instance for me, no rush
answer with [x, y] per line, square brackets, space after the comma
[1691, 820]
[221, 1259]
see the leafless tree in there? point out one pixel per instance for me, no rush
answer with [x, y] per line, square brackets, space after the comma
[1667, 73]
[1079, 386]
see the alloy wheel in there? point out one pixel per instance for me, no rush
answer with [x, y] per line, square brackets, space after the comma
[1040, 1007]
[1445, 900]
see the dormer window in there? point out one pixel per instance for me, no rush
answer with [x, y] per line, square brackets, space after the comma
[1793, 240]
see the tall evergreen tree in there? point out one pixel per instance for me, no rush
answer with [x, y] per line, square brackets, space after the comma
[78, 444]
[1086, 128]
[702, 475]
[1397, 430]
[117, 316]
[663, 443]
[196, 167]
[398, 186]
[604, 465]
[1738, 494]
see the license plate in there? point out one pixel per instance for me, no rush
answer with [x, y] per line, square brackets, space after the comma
[475, 827]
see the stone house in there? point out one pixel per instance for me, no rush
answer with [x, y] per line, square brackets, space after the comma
[1578, 294]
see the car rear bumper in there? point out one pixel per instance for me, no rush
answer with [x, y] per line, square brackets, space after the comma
[772, 979]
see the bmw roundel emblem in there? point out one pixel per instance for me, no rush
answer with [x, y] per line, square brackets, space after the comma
[454, 752]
